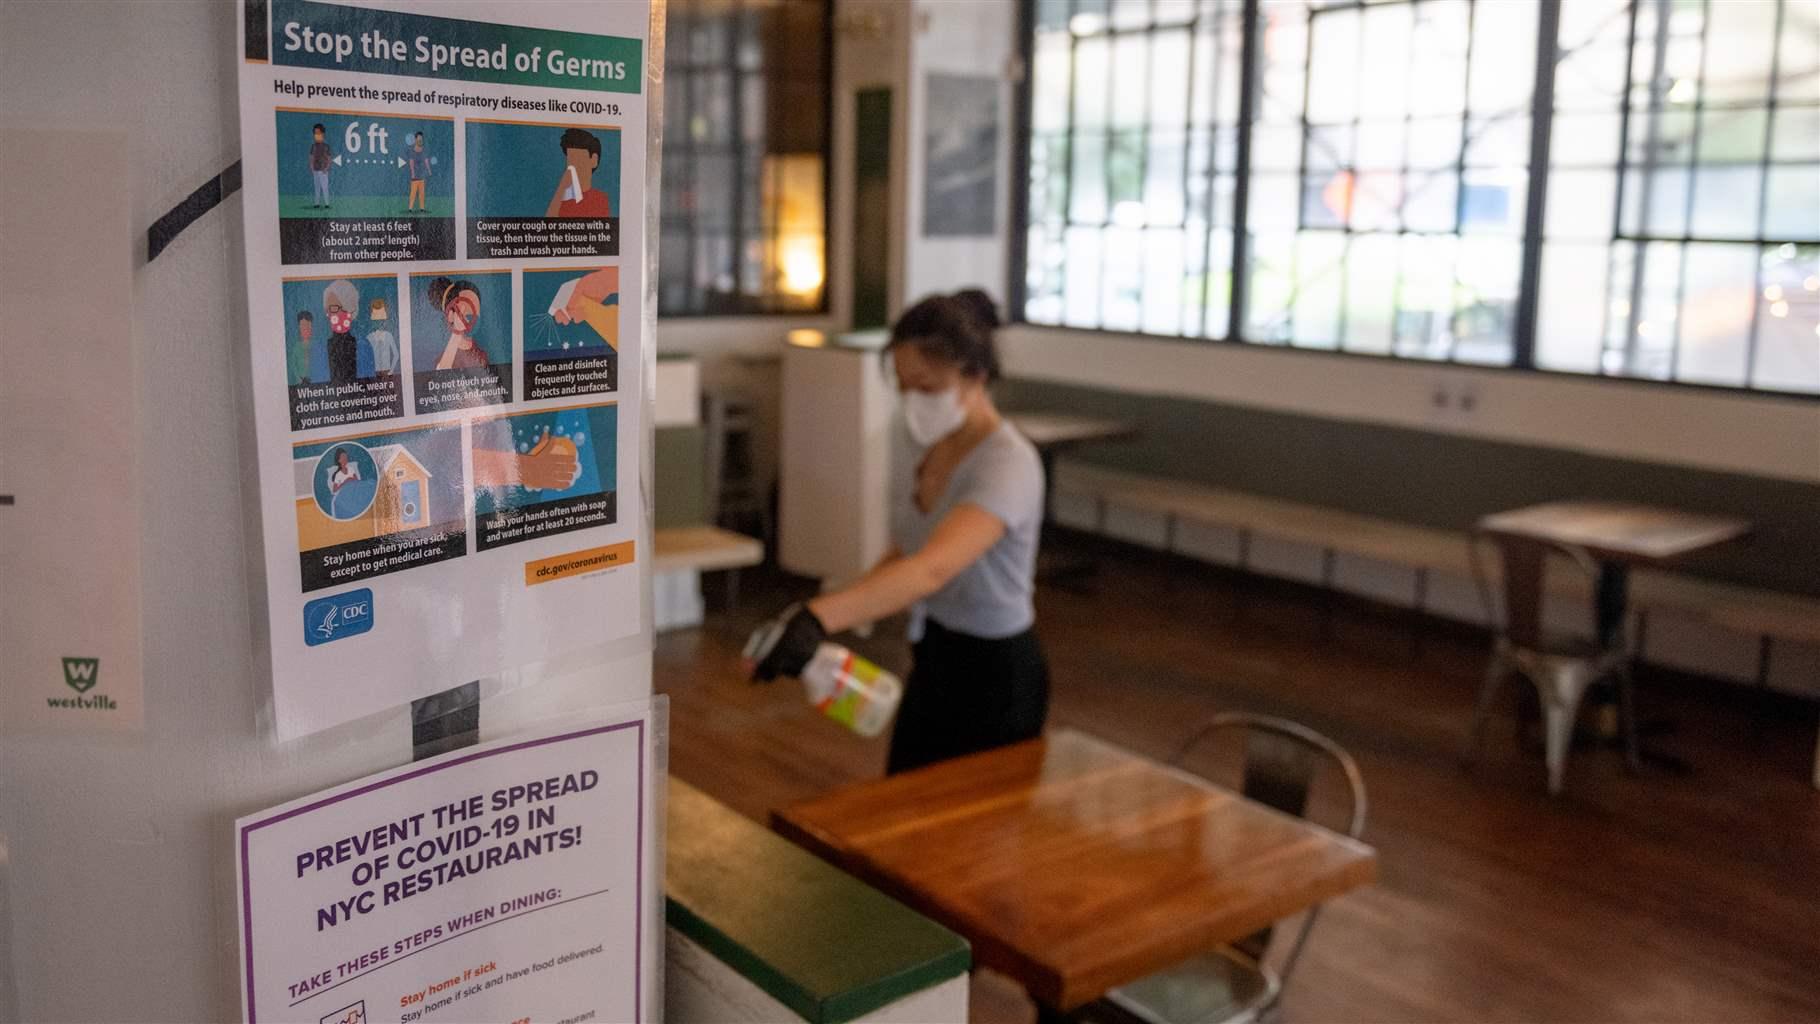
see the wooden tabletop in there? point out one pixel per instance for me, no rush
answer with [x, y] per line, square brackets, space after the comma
[1074, 866]
[1618, 531]
[1056, 430]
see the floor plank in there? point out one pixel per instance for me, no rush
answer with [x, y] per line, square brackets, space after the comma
[1650, 898]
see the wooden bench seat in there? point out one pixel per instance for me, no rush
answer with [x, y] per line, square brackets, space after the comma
[1755, 612]
[1329, 529]
[704, 549]
[1768, 616]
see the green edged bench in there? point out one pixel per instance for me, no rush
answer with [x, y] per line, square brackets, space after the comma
[758, 926]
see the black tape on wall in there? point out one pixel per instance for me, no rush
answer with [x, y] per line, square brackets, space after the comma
[165, 229]
[445, 721]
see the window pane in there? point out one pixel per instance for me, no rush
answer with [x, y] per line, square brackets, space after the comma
[1049, 83]
[1725, 202]
[1788, 320]
[1717, 300]
[1371, 286]
[1333, 71]
[1793, 207]
[1320, 263]
[1385, 133]
[744, 201]
[1090, 57]
[1162, 282]
[1145, 163]
[1572, 305]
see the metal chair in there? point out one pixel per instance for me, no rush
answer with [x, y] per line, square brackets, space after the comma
[1562, 667]
[1234, 984]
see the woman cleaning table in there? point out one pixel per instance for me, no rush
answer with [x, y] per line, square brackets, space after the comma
[965, 521]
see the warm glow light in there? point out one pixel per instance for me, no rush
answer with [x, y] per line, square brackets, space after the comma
[1812, 283]
[1644, 329]
[801, 262]
[797, 249]
[1773, 293]
[1779, 309]
[1620, 307]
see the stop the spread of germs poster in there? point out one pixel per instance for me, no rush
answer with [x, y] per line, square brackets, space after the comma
[507, 882]
[444, 290]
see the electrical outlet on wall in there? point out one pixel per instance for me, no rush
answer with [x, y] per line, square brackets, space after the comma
[1453, 401]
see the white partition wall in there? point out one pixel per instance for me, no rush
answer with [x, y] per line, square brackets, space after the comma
[117, 871]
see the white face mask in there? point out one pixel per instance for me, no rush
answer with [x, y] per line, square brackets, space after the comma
[932, 416]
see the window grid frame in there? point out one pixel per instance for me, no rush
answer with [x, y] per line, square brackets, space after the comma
[687, 73]
[1531, 239]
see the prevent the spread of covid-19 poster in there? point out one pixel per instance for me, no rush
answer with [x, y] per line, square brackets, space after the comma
[445, 271]
[509, 882]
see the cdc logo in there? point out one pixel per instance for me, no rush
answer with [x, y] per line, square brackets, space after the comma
[335, 618]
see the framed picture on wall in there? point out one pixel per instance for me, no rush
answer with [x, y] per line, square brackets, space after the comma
[960, 160]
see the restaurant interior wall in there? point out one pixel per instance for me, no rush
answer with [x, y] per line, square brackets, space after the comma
[115, 852]
[971, 40]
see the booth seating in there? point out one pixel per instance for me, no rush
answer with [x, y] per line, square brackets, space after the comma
[760, 930]
[1773, 618]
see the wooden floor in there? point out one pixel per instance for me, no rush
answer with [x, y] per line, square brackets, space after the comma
[1661, 897]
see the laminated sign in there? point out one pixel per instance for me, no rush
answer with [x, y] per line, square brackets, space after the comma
[445, 276]
[509, 882]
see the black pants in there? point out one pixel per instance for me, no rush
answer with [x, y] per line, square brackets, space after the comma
[966, 694]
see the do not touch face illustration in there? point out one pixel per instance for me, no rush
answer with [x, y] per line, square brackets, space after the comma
[461, 313]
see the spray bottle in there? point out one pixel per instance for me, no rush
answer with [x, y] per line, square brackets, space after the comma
[842, 685]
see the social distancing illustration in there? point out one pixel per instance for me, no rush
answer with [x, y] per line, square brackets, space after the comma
[366, 187]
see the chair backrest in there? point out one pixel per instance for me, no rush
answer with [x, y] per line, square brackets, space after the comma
[1281, 762]
[1524, 575]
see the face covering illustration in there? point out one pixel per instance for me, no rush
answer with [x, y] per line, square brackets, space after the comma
[339, 302]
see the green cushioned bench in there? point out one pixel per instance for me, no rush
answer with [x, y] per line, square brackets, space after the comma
[820, 942]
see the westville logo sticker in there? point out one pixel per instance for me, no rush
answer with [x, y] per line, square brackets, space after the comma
[82, 675]
[337, 617]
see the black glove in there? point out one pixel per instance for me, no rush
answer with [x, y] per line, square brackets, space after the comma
[784, 646]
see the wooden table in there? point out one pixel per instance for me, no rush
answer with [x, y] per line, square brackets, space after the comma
[1053, 431]
[1052, 434]
[1074, 866]
[1618, 535]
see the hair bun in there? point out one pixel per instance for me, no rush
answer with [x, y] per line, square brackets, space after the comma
[980, 306]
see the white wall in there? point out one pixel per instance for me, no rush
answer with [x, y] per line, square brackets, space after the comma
[968, 37]
[116, 851]
[1707, 429]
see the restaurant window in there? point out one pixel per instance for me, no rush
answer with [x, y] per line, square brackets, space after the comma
[1683, 231]
[1389, 160]
[1132, 163]
[1387, 194]
[745, 157]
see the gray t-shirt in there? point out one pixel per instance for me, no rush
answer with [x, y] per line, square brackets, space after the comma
[992, 597]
